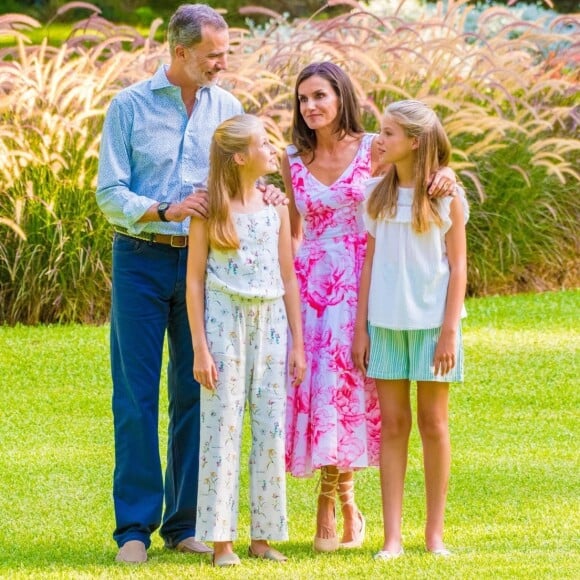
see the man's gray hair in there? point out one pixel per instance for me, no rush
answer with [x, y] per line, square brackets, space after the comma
[187, 22]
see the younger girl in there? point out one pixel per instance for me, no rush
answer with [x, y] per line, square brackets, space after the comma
[241, 295]
[411, 300]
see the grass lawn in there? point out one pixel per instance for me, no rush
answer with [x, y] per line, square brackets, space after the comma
[514, 501]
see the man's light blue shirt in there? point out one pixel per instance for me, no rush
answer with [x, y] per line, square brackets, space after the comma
[152, 152]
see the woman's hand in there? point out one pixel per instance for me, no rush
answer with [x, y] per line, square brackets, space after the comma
[297, 366]
[204, 370]
[444, 358]
[442, 183]
[360, 350]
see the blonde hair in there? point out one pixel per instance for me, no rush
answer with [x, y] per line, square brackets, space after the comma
[231, 137]
[433, 151]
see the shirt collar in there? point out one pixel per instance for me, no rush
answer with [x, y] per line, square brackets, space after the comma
[160, 81]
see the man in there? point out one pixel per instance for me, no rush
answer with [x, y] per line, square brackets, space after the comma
[154, 155]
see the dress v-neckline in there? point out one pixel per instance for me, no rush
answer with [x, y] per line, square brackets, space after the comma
[339, 178]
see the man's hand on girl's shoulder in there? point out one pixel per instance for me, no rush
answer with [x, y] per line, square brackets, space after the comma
[273, 195]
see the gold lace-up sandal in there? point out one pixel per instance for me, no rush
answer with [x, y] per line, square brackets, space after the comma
[328, 487]
[346, 495]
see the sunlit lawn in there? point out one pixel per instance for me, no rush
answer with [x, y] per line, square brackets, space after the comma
[514, 502]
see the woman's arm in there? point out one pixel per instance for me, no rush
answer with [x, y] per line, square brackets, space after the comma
[295, 217]
[296, 358]
[361, 342]
[204, 369]
[455, 242]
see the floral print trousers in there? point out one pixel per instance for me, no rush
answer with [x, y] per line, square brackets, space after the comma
[247, 339]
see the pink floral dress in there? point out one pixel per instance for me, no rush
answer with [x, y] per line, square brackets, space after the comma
[333, 417]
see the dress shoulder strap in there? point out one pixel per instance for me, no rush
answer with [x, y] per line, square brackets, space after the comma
[366, 144]
[292, 157]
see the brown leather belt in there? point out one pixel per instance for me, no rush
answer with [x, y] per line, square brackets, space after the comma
[168, 240]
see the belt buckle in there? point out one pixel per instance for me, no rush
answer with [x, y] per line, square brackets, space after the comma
[174, 244]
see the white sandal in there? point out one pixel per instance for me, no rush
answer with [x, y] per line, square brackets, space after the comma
[441, 552]
[388, 555]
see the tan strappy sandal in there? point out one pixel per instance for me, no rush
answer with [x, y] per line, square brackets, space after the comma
[346, 495]
[328, 487]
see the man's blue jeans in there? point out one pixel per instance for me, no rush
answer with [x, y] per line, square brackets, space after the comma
[148, 301]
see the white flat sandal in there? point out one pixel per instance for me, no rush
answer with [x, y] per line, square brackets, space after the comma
[441, 552]
[388, 555]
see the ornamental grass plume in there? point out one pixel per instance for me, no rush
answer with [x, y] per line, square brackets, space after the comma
[505, 89]
[54, 256]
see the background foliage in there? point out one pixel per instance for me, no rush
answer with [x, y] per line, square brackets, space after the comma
[506, 89]
[144, 11]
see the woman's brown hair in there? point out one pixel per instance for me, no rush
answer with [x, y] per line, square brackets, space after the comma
[348, 120]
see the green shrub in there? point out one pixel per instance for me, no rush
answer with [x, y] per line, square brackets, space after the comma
[60, 271]
[522, 233]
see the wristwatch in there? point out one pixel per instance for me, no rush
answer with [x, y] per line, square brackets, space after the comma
[161, 209]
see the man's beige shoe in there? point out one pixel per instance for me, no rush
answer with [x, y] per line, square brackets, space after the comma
[192, 546]
[132, 552]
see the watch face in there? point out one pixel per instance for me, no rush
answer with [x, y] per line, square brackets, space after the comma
[161, 209]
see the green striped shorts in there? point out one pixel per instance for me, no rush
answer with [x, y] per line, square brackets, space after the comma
[408, 354]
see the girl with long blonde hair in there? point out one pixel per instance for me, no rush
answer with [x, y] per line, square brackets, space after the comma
[409, 311]
[242, 296]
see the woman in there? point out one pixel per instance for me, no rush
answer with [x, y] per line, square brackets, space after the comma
[333, 418]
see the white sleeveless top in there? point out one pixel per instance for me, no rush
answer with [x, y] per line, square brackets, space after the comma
[253, 270]
[410, 272]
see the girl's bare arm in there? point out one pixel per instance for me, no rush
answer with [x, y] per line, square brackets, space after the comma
[204, 369]
[455, 241]
[296, 359]
[361, 342]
